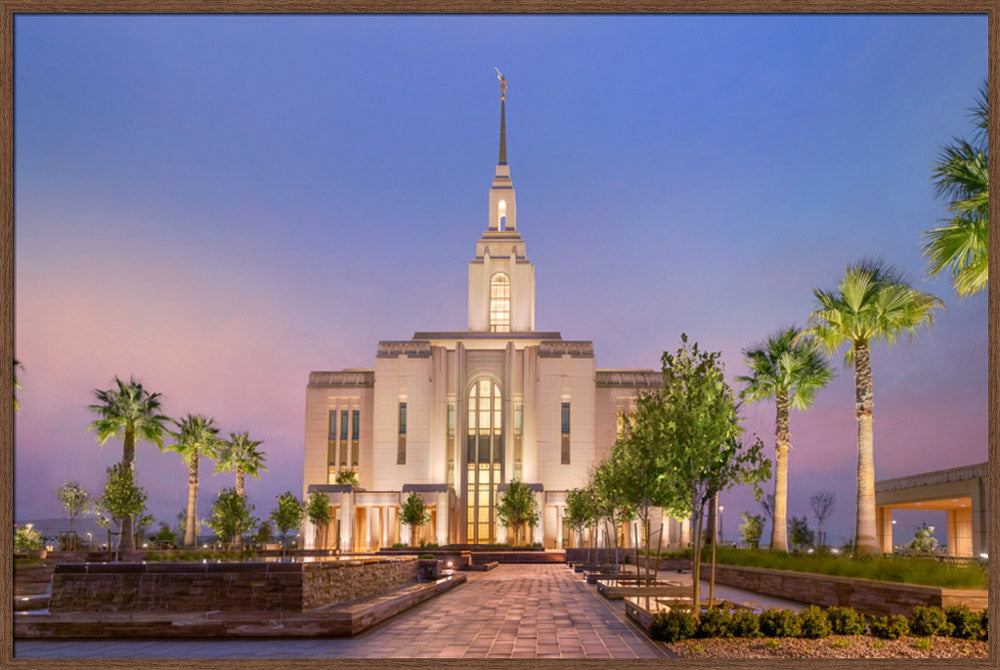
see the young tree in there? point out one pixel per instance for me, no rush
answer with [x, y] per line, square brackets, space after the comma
[165, 535]
[696, 420]
[789, 369]
[414, 514]
[516, 508]
[581, 512]
[612, 505]
[872, 302]
[287, 516]
[961, 176]
[822, 503]
[231, 516]
[751, 528]
[73, 498]
[320, 513]
[128, 411]
[195, 437]
[121, 500]
[798, 532]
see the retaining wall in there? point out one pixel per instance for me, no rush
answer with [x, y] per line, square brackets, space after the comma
[226, 587]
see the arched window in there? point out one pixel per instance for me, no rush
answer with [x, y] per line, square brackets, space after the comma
[483, 458]
[501, 214]
[500, 304]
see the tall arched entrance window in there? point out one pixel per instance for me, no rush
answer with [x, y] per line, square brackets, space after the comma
[484, 459]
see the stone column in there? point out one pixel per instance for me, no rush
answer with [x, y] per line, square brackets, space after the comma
[384, 517]
[883, 526]
[539, 534]
[442, 518]
[951, 532]
[559, 527]
[347, 521]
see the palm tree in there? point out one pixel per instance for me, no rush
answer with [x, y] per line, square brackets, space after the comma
[127, 411]
[872, 302]
[194, 437]
[961, 176]
[789, 369]
[240, 454]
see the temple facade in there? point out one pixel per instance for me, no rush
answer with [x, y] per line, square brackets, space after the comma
[456, 415]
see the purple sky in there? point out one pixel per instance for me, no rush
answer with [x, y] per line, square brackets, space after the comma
[218, 205]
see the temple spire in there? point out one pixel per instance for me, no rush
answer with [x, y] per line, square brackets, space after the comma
[503, 125]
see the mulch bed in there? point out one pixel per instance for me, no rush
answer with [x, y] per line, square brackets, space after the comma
[835, 646]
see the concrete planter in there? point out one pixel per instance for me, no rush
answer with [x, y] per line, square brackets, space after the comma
[864, 595]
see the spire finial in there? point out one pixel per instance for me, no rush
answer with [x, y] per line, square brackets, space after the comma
[503, 125]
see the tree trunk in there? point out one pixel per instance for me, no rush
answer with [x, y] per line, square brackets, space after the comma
[191, 525]
[238, 540]
[126, 540]
[711, 577]
[696, 562]
[782, 437]
[865, 540]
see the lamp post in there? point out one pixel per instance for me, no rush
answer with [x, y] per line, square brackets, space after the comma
[90, 541]
[721, 507]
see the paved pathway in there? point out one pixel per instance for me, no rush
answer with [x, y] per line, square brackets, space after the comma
[513, 611]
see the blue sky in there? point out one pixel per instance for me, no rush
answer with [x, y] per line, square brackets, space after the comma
[218, 205]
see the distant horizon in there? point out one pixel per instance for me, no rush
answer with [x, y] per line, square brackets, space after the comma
[218, 205]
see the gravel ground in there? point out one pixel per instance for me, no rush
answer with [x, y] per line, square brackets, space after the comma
[835, 646]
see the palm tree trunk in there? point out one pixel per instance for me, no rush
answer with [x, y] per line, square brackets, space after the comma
[126, 538]
[865, 541]
[782, 437]
[190, 528]
[238, 540]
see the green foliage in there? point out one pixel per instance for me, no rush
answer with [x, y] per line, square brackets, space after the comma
[164, 535]
[890, 627]
[786, 364]
[906, 569]
[126, 412]
[318, 508]
[984, 624]
[581, 508]
[231, 516]
[398, 545]
[288, 514]
[121, 498]
[961, 175]
[779, 623]
[923, 540]
[240, 453]
[425, 556]
[73, 498]
[347, 476]
[845, 621]
[964, 622]
[517, 507]
[263, 534]
[27, 539]
[798, 532]
[714, 622]
[677, 624]
[926, 621]
[814, 623]
[923, 644]
[414, 514]
[744, 623]
[751, 528]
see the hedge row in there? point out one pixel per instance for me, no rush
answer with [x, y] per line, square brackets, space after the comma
[680, 623]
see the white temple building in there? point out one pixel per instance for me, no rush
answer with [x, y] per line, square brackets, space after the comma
[456, 415]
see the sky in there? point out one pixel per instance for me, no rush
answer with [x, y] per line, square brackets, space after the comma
[218, 205]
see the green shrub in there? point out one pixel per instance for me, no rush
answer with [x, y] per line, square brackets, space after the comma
[152, 556]
[814, 623]
[984, 624]
[927, 621]
[965, 622]
[779, 623]
[890, 627]
[398, 545]
[714, 622]
[677, 624]
[744, 623]
[845, 621]
[923, 644]
[425, 556]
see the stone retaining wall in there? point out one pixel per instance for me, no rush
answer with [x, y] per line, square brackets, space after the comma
[227, 587]
[864, 595]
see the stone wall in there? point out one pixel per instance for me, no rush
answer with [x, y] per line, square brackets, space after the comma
[227, 587]
[864, 595]
[322, 586]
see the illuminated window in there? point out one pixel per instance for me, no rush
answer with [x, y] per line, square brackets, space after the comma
[500, 304]
[565, 433]
[502, 214]
[401, 442]
[484, 457]
[343, 438]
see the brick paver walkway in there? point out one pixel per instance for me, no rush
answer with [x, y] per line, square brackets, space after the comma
[514, 611]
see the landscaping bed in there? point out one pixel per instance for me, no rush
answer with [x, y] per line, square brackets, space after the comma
[835, 646]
